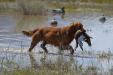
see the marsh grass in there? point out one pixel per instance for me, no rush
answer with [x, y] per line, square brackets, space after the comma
[31, 7]
[104, 54]
[90, 70]
[60, 67]
[98, 1]
[38, 7]
[23, 6]
[49, 71]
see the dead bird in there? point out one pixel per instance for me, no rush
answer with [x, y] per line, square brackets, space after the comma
[80, 37]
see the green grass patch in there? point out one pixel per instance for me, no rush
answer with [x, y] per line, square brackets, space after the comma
[98, 1]
[7, 0]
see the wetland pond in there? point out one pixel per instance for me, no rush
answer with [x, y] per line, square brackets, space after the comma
[14, 45]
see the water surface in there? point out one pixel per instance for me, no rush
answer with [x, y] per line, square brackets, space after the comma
[14, 45]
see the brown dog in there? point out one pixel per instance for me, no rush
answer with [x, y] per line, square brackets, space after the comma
[59, 37]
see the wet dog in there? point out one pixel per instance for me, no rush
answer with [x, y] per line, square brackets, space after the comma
[59, 37]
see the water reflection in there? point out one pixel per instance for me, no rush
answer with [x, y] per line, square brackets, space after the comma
[33, 62]
[60, 63]
[50, 61]
[65, 64]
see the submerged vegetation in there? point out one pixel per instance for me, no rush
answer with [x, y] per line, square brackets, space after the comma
[14, 64]
[60, 66]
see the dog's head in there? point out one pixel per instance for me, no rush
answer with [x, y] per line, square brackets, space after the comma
[78, 26]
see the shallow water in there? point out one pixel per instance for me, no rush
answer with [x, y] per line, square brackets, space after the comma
[14, 45]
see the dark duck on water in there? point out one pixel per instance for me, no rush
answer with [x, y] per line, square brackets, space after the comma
[54, 22]
[102, 19]
[59, 11]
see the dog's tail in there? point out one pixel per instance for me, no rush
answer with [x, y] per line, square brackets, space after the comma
[29, 33]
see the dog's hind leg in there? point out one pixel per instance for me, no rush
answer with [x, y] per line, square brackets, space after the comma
[43, 46]
[35, 39]
[71, 49]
